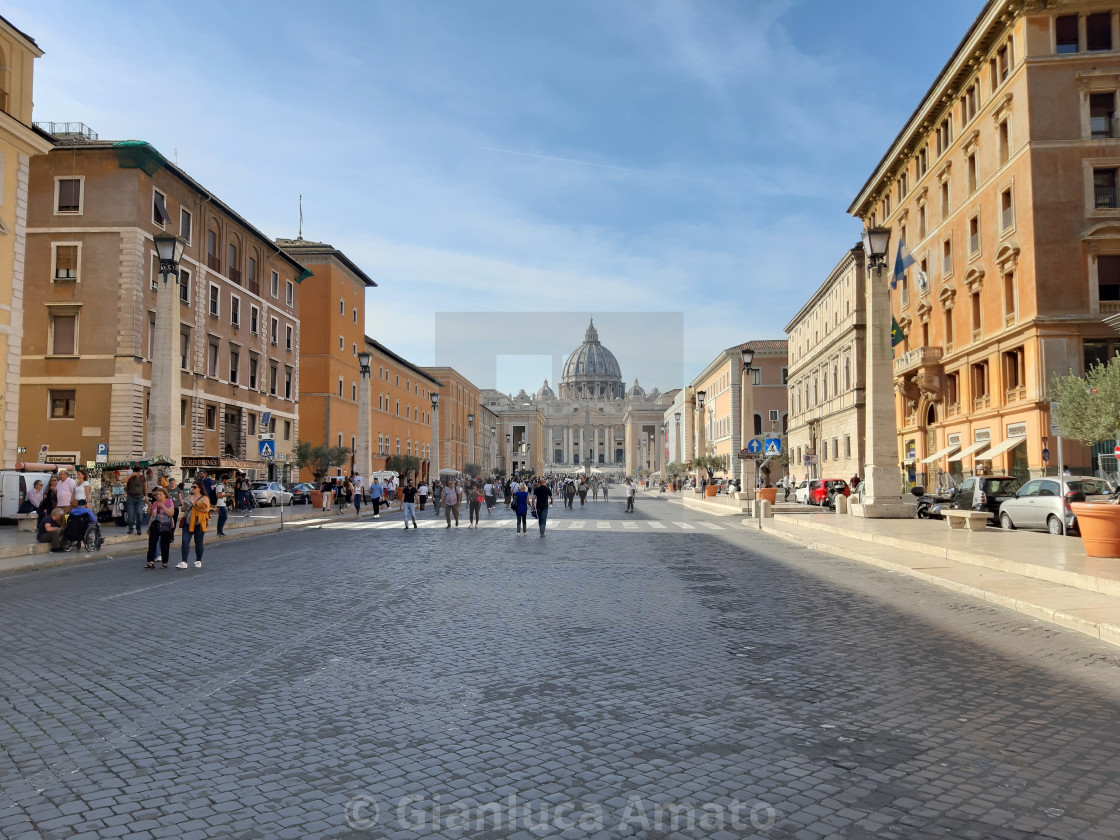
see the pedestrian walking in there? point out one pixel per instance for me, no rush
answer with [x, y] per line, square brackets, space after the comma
[474, 504]
[135, 490]
[408, 505]
[520, 501]
[194, 524]
[605, 485]
[245, 494]
[507, 491]
[594, 491]
[422, 493]
[451, 503]
[488, 494]
[326, 490]
[376, 491]
[542, 499]
[629, 497]
[223, 512]
[161, 528]
[582, 493]
[437, 497]
[356, 483]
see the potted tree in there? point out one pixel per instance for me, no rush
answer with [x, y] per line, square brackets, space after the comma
[319, 459]
[709, 462]
[1088, 410]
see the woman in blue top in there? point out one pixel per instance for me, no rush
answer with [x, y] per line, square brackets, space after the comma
[521, 508]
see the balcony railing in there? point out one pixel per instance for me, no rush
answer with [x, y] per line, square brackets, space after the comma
[1007, 219]
[1016, 394]
[953, 409]
[1105, 197]
[916, 358]
[213, 263]
[1110, 307]
[1102, 126]
[235, 275]
[980, 403]
[976, 333]
[1010, 318]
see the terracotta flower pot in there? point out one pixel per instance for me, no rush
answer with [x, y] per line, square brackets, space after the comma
[1100, 528]
[769, 494]
[711, 490]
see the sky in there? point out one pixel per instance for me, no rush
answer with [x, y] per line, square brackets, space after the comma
[695, 159]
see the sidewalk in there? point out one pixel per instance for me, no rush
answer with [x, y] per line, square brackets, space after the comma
[1039, 575]
[20, 551]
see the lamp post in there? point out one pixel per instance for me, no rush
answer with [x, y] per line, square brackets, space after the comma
[434, 468]
[509, 448]
[165, 393]
[746, 410]
[470, 438]
[701, 443]
[882, 497]
[364, 455]
[680, 443]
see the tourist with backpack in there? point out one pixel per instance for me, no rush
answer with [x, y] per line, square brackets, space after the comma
[194, 524]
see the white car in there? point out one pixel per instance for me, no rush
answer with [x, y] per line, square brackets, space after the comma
[270, 493]
[801, 493]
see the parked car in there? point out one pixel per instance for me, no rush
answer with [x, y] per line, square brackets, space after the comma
[801, 492]
[821, 489]
[986, 492]
[1092, 488]
[1040, 506]
[270, 493]
[301, 494]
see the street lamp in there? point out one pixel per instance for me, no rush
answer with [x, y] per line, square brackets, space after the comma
[509, 447]
[164, 394]
[882, 496]
[746, 410]
[364, 454]
[701, 448]
[680, 443]
[470, 438]
[433, 470]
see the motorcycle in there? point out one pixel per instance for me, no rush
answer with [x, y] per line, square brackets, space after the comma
[930, 505]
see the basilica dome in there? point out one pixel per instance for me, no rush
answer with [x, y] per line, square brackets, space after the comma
[546, 393]
[591, 371]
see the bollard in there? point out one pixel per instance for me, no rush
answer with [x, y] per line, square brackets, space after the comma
[765, 509]
[841, 504]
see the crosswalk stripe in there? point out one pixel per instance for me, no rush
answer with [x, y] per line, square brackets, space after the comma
[685, 526]
[712, 526]
[603, 525]
[630, 526]
[658, 525]
[564, 524]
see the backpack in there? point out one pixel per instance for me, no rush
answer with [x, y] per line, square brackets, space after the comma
[211, 492]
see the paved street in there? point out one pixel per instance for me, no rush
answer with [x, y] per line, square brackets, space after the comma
[627, 671]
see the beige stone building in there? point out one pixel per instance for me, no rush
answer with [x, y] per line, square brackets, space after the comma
[827, 369]
[459, 401]
[19, 142]
[1003, 184]
[92, 273]
[400, 407]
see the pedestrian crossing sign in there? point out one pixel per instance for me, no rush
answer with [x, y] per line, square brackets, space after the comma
[773, 447]
[268, 449]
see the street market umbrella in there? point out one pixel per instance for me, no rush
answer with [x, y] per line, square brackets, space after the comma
[449, 471]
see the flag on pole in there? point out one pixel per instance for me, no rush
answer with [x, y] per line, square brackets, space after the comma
[903, 259]
[897, 335]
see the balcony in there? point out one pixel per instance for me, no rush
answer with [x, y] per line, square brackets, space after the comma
[981, 403]
[1110, 307]
[235, 275]
[1104, 198]
[918, 357]
[213, 263]
[1016, 394]
[953, 409]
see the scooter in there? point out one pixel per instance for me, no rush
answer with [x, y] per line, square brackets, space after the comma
[930, 505]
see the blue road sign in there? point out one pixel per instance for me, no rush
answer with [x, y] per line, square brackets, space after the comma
[268, 449]
[1045, 454]
[266, 418]
[773, 446]
[102, 449]
[754, 446]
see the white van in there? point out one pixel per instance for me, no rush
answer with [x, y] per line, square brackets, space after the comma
[13, 487]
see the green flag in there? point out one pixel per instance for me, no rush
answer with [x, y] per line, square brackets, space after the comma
[897, 336]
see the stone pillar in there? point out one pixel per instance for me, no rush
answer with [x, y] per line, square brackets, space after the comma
[363, 462]
[882, 497]
[433, 468]
[164, 430]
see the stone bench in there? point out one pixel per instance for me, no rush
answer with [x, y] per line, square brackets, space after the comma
[27, 522]
[970, 520]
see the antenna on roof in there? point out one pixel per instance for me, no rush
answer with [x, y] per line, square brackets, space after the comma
[300, 216]
[176, 156]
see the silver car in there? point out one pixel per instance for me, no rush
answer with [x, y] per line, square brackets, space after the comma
[270, 493]
[1038, 506]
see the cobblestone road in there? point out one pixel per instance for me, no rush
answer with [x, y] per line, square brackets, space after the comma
[656, 674]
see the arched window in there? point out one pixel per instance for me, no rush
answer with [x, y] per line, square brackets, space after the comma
[757, 424]
[4, 73]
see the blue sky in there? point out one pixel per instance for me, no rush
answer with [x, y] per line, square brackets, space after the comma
[573, 156]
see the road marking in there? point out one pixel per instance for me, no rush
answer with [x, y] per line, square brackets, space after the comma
[630, 526]
[143, 589]
[713, 526]
[660, 526]
[685, 525]
[603, 525]
[575, 525]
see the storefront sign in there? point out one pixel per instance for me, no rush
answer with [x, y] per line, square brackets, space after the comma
[207, 462]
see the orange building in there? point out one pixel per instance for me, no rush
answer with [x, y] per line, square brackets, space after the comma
[401, 407]
[459, 402]
[333, 317]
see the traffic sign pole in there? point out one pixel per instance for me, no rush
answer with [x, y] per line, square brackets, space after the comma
[1062, 480]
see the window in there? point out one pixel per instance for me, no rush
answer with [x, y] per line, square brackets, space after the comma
[160, 216]
[274, 284]
[234, 271]
[212, 350]
[290, 293]
[847, 446]
[972, 173]
[342, 307]
[354, 349]
[212, 260]
[921, 222]
[184, 286]
[1095, 353]
[1006, 211]
[922, 164]
[1104, 188]
[253, 366]
[273, 373]
[970, 103]
[287, 430]
[952, 391]
[212, 418]
[974, 236]
[944, 200]
[1102, 114]
[341, 343]
[68, 195]
[1004, 142]
[1098, 32]
[353, 391]
[64, 334]
[1000, 66]
[1010, 308]
[756, 376]
[355, 314]
[254, 319]
[1108, 279]
[183, 413]
[185, 224]
[1065, 34]
[947, 257]
[976, 316]
[184, 349]
[287, 383]
[340, 386]
[273, 331]
[253, 275]
[215, 300]
[234, 365]
[62, 405]
[398, 408]
[235, 310]
[949, 328]
[944, 136]
[980, 395]
[785, 376]
[287, 336]
[65, 260]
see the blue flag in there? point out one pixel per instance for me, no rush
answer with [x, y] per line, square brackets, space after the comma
[903, 260]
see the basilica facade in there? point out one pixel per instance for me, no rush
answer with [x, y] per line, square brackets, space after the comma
[591, 422]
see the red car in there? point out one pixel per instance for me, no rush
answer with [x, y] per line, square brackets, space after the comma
[819, 490]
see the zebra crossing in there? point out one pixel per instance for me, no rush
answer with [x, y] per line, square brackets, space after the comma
[618, 526]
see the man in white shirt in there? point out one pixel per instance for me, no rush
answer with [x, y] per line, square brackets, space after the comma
[64, 491]
[488, 492]
[629, 497]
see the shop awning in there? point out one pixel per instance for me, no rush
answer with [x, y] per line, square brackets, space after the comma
[937, 456]
[976, 447]
[1008, 444]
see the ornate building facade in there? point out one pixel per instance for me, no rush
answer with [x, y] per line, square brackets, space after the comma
[592, 421]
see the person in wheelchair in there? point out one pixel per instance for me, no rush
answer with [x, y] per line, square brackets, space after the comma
[81, 527]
